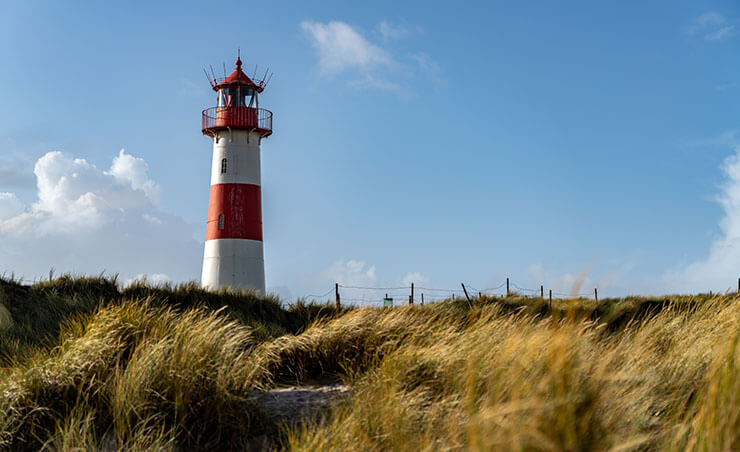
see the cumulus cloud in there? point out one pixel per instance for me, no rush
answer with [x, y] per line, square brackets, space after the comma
[132, 171]
[341, 47]
[722, 265]
[86, 220]
[351, 273]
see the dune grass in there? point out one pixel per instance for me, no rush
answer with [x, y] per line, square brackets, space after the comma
[177, 368]
[510, 380]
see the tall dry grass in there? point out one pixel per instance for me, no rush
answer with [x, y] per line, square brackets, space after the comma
[139, 374]
[516, 381]
[178, 368]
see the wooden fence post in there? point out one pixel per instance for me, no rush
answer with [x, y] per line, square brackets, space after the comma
[507, 286]
[465, 291]
[550, 305]
[542, 292]
[422, 298]
[336, 293]
[596, 294]
[411, 298]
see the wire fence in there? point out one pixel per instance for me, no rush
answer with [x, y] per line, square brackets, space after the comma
[412, 294]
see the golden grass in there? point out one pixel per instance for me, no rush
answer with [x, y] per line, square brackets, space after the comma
[520, 382]
[505, 374]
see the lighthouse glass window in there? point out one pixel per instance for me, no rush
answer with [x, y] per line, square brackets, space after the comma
[247, 97]
[237, 97]
[221, 221]
[225, 96]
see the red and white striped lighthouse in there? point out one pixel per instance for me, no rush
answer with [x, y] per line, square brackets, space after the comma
[233, 254]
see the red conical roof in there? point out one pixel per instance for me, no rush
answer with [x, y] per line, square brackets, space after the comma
[239, 78]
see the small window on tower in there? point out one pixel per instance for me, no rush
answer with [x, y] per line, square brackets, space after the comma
[221, 221]
[224, 166]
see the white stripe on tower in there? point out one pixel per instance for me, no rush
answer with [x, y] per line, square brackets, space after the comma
[233, 253]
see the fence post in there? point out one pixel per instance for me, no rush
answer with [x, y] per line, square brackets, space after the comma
[465, 291]
[550, 305]
[596, 294]
[507, 286]
[480, 295]
[336, 293]
[542, 292]
[422, 298]
[411, 298]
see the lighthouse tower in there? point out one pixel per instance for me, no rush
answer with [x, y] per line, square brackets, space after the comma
[233, 253]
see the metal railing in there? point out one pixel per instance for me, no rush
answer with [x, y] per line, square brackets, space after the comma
[216, 118]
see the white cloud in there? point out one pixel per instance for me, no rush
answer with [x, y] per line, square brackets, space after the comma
[351, 273]
[561, 283]
[426, 63]
[721, 267]
[156, 279]
[414, 277]
[722, 33]
[359, 284]
[389, 31]
[341, 47]
[712, 26]
[86, 220]
[130, 170]
[370, 81]
[354, 278]
[10, 205]
[710, 18]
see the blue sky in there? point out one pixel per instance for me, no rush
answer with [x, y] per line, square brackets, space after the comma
[430, 141]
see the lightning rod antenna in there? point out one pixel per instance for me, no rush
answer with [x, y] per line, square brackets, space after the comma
[254, 74]
[208, 77]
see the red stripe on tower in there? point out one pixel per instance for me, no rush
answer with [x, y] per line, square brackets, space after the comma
[241, 207]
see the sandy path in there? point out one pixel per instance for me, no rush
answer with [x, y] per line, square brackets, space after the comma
[292, 404]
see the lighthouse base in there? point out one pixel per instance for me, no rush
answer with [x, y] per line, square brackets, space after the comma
[234, 263]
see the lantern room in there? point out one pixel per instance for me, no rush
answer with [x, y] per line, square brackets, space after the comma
[237, 105]
[237, 96]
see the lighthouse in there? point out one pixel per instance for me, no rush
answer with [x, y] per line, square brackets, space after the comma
[233, 255]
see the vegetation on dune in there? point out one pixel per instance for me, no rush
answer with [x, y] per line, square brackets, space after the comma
[31, 316]
[176, 368]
